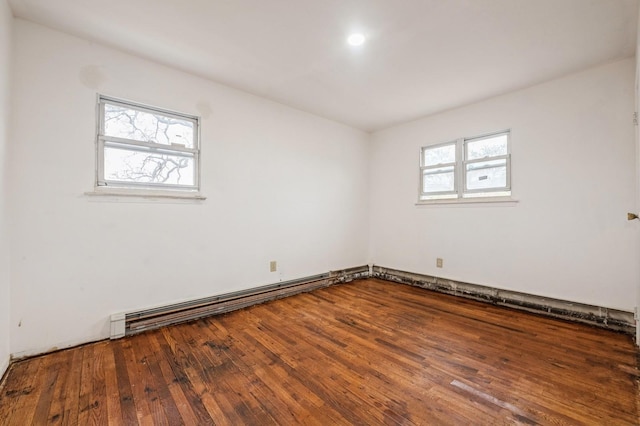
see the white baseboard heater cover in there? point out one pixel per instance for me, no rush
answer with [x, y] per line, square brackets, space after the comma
[118, 325]
[124, 324]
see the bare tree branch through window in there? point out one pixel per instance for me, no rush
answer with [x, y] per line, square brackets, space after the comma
[141, 146]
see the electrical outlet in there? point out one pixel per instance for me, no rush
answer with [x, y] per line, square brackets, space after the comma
[439, 262]
[273, 266]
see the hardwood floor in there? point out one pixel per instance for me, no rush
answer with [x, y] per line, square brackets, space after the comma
[367, 352]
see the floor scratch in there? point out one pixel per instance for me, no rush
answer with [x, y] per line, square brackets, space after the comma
[489, 398]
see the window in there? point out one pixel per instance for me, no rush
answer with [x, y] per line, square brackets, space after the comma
[140, 147]
[466, 168]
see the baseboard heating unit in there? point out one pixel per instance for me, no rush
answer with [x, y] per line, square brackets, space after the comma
[124, 324]
[612, 319]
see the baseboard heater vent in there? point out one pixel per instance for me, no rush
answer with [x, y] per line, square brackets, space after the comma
[124, 324]
[599, 316]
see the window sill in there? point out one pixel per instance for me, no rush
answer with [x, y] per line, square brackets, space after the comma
[145, 195]
[506, 201]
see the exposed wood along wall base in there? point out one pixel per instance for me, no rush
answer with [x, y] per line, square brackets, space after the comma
[608, 318]
[365, 352]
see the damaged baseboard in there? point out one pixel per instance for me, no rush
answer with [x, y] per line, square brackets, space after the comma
[127, 323]
[611, 319]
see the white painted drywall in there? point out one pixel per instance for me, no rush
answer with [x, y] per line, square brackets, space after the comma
[573, 164]
[280, 184]
[288, 186]
[6, 21]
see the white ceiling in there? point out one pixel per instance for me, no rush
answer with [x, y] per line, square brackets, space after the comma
[421, 57]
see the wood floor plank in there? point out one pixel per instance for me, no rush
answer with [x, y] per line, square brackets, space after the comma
[98, 398]
[230, 382]
[127, 405]
[162, 371]
[190, 369]
[426, 377]
[65, 368]
[150, 386]
[171, 351]
[377, 390]
[366, 352]
[71, 401]
[47, 391]
[285, 368]
[20, 392]
[289, 396]
[270, 400]
[210, 376]
[112, 390]
[135, 374]
[86, 385]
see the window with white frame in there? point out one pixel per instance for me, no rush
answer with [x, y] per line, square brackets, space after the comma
[466, 168]
[142, 147]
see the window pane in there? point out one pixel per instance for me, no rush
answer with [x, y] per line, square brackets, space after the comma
[488, 147]
[440, 155]
[487, 174]
[440, 180]
[122, 122]
[148, 167]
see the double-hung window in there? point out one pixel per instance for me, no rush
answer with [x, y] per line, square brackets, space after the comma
[466, 168]
[439, 169]
[142, 147]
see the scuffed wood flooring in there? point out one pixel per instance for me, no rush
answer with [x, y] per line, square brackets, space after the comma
[367, 352]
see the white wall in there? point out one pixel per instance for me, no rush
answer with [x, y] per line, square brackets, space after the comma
[288, 186]
[573, 164]
[6, 21]
[281, 184]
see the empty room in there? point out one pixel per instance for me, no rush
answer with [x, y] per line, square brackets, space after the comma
[319, 212]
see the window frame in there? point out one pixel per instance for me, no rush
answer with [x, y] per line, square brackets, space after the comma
[103, 141]
[424, 168]
[461, 192]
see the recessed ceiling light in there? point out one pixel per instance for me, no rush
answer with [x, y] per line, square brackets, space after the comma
[356, 39]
